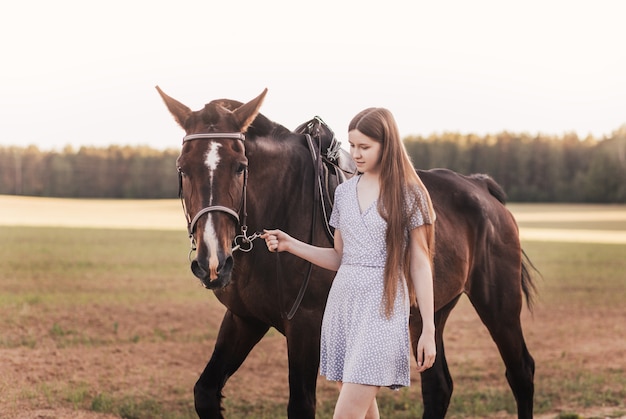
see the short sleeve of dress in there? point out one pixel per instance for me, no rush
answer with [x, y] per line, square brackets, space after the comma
[417, 206]
[334, 215]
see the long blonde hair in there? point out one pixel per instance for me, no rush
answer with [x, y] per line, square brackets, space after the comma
[397, 175]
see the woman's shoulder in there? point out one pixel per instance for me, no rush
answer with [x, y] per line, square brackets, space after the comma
[414, 192]
[353, 180]
[417, 202]
[350, 183]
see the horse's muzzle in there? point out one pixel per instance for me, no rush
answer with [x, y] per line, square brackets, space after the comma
[224, 272]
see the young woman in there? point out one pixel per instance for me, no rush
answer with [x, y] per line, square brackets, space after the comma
[383, 251]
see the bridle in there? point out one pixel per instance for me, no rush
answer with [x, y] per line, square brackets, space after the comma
[243, 238]
[239, 240]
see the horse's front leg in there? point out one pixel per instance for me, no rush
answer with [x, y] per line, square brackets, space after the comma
[235, 340]
[303, 346]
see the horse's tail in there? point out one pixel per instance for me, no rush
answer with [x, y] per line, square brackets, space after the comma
[529, 288]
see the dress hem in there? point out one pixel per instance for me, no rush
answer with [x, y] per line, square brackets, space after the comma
[394, 387]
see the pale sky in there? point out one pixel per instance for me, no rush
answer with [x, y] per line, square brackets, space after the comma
[83, 73]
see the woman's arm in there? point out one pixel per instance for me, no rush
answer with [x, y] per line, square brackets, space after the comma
[422, 277]
[325, 257]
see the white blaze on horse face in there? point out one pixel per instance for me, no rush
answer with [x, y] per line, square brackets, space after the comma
[211, 161]
[212, 158]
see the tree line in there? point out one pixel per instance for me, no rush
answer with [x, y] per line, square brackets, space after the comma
[90, 172]
[533, 168]
[530, 168]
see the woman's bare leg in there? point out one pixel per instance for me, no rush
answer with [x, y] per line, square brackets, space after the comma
[356, 401]
[372, 412]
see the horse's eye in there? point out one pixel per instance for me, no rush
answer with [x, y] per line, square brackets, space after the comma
[241, 168]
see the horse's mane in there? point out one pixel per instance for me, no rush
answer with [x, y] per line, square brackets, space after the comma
[264, 127]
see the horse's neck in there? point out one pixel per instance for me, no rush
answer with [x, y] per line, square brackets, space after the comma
[293, 187]
[278, 184]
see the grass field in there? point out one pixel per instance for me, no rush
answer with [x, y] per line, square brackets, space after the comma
[109, 322]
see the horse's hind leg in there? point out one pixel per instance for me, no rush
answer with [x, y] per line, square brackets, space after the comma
[436, 381]
[500, 311]
[235, 340]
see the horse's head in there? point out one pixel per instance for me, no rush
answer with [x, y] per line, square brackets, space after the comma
[213, 170]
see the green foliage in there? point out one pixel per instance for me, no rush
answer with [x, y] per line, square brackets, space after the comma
[90, 172]
[590, 275]
[533, 169]
[102, 403]
[87, 265]
[530, 168]
[137, 408]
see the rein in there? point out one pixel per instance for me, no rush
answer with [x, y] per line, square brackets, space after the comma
[316, 154]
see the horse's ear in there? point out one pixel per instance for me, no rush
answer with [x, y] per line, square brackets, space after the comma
[245, 114]
[177, 109]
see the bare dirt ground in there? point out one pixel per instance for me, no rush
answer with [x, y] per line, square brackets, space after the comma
[39, 376]
[44, 380]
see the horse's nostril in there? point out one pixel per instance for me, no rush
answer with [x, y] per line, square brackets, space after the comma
[197, 270]
[227, 266]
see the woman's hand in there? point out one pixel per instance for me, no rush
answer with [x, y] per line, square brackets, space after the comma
[325, 257]
[426, 351]
[276, 240]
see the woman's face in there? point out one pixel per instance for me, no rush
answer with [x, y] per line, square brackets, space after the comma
[365, 151]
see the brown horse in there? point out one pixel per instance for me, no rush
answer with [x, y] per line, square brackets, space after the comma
[239, 171]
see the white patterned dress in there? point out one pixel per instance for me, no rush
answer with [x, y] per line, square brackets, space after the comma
[359, 344]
